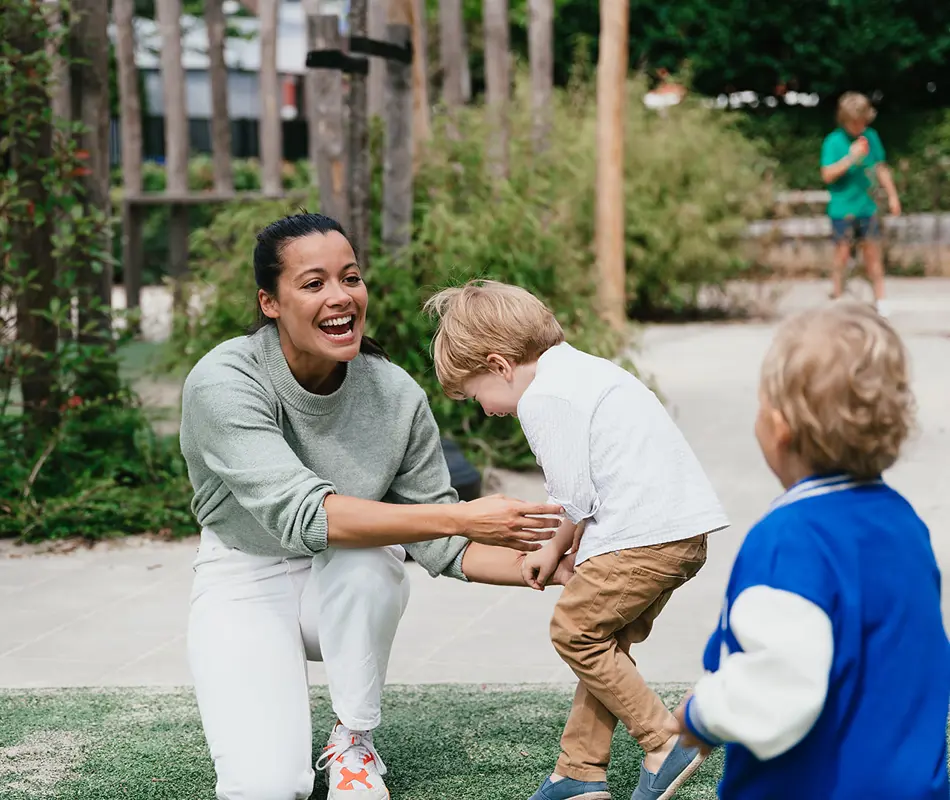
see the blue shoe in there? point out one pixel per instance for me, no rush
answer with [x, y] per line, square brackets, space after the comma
[680, 764]
[569, 789]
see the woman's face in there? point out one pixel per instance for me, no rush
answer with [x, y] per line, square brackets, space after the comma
[321, 298]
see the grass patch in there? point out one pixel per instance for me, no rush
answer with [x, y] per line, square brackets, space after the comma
[460, 742]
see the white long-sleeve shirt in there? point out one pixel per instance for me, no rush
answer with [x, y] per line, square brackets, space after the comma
[612, 456]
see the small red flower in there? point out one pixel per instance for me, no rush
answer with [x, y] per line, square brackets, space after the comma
[80, 172]
[74, 402]
[82, 155]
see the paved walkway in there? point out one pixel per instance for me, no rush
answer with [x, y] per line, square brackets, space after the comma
[115, 614]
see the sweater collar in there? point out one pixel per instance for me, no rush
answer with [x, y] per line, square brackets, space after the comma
[818, 485]
[286, 385]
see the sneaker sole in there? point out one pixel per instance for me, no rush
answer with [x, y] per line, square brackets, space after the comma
[334, 794]
[684, 776]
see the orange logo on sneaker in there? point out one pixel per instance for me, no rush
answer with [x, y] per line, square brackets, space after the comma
[347, 778]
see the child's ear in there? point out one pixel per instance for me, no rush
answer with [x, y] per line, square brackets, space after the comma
[499, 365]
[781, 428]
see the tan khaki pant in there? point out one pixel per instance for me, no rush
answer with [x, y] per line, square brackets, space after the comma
[609, 605]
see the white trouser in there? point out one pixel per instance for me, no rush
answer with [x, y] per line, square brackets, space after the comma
[254, 623]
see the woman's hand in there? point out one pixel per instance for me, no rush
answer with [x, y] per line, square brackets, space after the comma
[500, 521]
[564, 571]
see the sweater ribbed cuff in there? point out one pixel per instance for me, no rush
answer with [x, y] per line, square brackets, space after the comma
[314, 536]
[454, 570]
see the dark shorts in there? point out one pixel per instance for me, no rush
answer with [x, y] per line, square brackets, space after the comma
[855, 229]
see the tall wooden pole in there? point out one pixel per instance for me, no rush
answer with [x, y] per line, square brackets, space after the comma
[397, 164]
[325, 122]
[130, 121]
[271, 126]
[376, 88]
[359, 143]
[541, 56]
[176, 136]
[220, 118]
[497, 83]
[611, 91]
[421, 121]
[451, 52]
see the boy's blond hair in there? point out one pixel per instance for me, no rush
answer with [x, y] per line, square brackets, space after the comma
[839, 376]
[483, 318]
[855, 107]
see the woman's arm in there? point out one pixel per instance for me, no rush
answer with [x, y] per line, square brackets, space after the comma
[496, 521]
[232, 428]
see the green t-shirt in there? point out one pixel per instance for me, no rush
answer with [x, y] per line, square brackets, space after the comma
[851, 194]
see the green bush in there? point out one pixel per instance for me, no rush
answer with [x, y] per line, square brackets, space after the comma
[535, 230]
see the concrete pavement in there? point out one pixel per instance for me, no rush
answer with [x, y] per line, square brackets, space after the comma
[115, 614]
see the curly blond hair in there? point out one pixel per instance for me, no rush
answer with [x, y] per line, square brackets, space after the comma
[855, 107]
[839, 376]
[483, 318]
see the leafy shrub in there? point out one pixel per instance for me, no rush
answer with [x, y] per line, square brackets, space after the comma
[78, 455]
[535, 230]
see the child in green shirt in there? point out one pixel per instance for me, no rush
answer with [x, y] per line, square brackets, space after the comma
[852, 161]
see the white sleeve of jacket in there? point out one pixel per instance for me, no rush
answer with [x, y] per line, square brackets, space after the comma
[768, 697]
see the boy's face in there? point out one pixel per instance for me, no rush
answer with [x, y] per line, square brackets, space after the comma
[499, 390]
[855, 128]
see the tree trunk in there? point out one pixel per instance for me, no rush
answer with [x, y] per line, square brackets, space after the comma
[89, 87]
[130, 118]
[61, 97]
[168, 13]
[451, 52]
[611, 91]
[325, 122]
[466, 67]
[541, 56]
[36, 334]
[376, 90]
[220, 118]
[397, 167]
[359, 145]
[421, 121]
[271, 133]
[497, 83]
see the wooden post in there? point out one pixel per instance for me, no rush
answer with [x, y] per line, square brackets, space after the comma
[376, 89]
[359, 154]
[497, 83]
[89, 89]
[421, 122]
[541, 56]
[327, 140]
[466, 67]
[611, 91]
[220, 118]
[176, 137]
[397, 165]
[130, 117]
[270, 125]
[451, 52]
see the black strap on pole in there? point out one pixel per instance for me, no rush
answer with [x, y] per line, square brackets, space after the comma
[337, 60]
[381, 49]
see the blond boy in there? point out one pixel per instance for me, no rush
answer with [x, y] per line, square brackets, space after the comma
[829, 673]
[852, 157]
[638, 509]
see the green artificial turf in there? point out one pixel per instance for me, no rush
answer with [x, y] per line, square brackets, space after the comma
[440, 743]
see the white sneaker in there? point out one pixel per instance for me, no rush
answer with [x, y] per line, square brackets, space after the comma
[883, 308]
[353, 767]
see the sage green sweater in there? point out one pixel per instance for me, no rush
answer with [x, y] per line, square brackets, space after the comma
[263, 452]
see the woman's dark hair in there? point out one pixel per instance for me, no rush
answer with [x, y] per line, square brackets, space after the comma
[268, 261]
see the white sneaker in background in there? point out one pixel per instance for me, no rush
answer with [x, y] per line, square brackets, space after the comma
[353, 767]
[883, 308]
